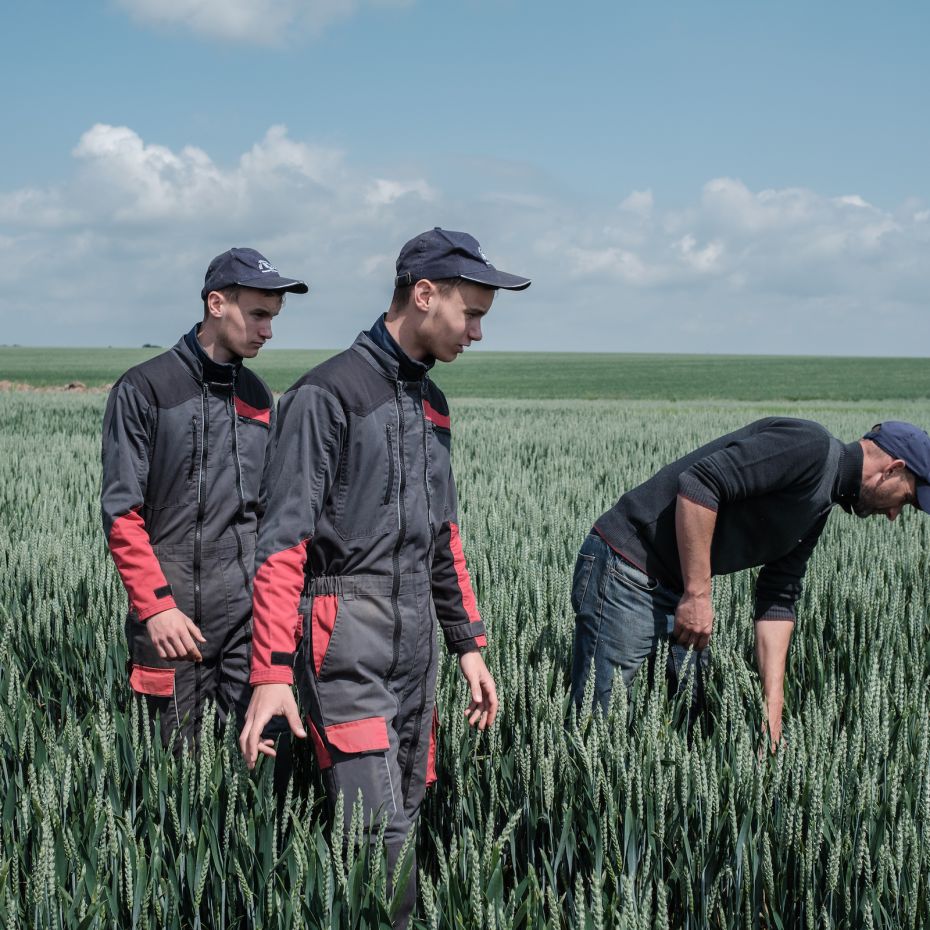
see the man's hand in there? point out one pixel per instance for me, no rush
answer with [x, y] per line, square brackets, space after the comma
[483, 707]
[267, 701]
[173, 635]
[694, 621]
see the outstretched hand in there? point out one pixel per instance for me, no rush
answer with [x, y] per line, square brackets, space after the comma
[267, 701]
[483, 707]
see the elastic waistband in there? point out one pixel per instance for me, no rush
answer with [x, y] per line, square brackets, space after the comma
[349, 586]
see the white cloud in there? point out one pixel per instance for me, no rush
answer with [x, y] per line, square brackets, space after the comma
[129, 235]
[256, 22]
[383, 192]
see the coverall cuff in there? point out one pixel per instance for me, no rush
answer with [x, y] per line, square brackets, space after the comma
[165, 603]
[280, 675]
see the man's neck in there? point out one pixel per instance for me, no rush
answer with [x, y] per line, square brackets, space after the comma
[212, 348]
[404, 333]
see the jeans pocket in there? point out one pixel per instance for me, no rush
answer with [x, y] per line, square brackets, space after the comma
[630, 575]
[583, 568]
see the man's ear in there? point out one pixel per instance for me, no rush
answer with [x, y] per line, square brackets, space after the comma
[423, 292]
[895, 467]
[216, 304]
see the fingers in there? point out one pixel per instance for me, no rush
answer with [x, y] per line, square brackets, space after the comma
[483, 707]
[195, 631]
[293, 720]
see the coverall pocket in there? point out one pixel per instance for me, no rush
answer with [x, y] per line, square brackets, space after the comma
[155, 682]
[361, 641]
[322, 621]
[369, 479]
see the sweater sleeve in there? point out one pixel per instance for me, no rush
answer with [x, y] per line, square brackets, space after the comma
[779, 584]
[781, 454]
[453, 595]
[301, 471]
[125, 454]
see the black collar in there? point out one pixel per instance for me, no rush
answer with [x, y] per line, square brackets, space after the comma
[212, 372]
[408, 369]
[848, 475]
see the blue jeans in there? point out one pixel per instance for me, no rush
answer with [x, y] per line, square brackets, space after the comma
[621, 615]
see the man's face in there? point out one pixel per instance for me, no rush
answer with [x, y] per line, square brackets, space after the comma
[888, 493]
[244, 325]
[453, 320]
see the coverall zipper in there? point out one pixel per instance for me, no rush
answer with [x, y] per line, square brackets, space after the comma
[239, 491]
[402, 528]
[412, 754]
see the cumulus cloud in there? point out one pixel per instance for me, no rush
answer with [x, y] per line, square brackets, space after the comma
[256, 22]
[736, 269]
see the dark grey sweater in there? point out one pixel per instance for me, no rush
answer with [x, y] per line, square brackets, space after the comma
[772, 484]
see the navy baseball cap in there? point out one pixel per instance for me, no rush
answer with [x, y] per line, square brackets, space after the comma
[444, 253]
[911, 444]
[247, 268]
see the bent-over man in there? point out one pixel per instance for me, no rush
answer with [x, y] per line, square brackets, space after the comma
[185, 439]
[758, 496]
[360, 554]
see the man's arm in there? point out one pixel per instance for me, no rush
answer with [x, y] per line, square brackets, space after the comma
[299, 477]
[694, 532]
[772, 640]
[125, 452]
[457, 610]
[778, 588]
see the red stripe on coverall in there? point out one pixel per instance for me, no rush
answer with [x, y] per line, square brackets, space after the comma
[469, 603]
[435, 416]
[137, 565]
[252, 413]
[275, 613]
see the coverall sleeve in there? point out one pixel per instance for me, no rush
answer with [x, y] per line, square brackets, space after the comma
[128, 426]
[453, 595]
[775, 458]
[303, 466]
[779, 584]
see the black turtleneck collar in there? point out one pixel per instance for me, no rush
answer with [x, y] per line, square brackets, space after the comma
[408, 369]
[213, 372]
[848, 475]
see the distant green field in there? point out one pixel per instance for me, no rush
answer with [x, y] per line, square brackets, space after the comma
[566, 375]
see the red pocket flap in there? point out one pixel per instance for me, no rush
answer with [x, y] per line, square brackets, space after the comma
[158, 682]
[366, 735]
[322, 621]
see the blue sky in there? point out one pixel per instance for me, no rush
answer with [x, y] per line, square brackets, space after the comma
[674, 176]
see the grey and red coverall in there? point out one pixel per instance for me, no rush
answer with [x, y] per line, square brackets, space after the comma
[185, 442]
[359, 556]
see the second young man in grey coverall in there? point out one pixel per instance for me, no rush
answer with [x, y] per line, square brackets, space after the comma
[359, 553]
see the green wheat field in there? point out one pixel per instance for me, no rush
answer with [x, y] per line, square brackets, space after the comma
[549, 820]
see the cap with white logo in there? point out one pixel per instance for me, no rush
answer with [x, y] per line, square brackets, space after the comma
[444, 253]
[247, 268]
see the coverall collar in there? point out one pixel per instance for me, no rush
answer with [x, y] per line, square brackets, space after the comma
[400, 365]
[204, 368]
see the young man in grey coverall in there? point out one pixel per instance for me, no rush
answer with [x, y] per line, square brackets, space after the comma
[359, 554]
[185, 441]
[758, 496]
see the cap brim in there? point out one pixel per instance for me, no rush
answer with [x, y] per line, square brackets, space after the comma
[491, 277]
[923, 496]
[274, 282]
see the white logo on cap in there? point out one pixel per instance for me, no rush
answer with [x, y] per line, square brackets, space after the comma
[266, 267]
[484, 257]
